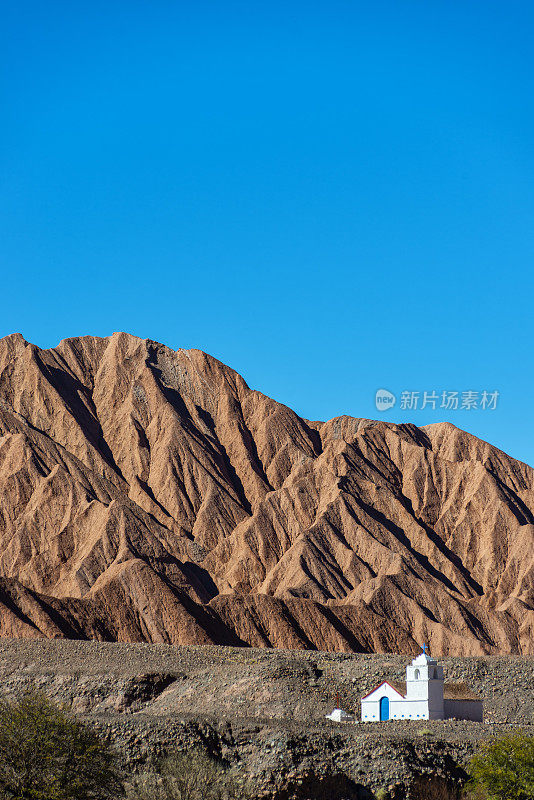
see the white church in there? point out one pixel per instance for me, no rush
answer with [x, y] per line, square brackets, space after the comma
[425, 695]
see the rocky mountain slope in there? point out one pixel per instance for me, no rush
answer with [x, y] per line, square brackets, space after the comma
[150, 495]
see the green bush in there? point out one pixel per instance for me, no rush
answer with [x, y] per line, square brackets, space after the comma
[45, 754]
[503, 769]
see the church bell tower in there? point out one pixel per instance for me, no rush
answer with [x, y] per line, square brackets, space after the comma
[424, 682]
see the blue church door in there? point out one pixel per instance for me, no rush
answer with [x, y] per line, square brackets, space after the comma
[384, 709]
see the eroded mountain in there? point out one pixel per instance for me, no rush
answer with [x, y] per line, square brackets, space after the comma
[150, 495]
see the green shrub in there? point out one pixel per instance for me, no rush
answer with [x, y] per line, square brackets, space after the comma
[503, 769]
[45, 754]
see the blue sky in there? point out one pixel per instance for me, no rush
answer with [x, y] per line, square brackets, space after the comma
[330, 197]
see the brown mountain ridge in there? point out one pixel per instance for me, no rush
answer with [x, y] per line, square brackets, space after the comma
[149, 495]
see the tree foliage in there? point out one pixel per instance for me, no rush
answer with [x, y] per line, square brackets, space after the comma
[45, 754]
[503, 769]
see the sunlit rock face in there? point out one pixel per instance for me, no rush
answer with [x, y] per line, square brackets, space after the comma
[148, 494]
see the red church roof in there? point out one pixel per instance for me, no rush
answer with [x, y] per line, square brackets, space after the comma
[400, 688]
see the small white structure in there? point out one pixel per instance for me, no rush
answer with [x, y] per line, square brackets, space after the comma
[423, 696]
[338, 715]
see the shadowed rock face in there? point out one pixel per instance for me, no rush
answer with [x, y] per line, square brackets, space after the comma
[150, 495]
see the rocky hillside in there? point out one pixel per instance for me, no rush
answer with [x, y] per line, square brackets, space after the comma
[263, 712]
[301, 687]
[150, 495]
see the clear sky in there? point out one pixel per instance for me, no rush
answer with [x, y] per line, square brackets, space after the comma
[330, 197]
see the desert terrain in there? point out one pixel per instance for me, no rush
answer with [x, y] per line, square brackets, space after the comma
[263, 711]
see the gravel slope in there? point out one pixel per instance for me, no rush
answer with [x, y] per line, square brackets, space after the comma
[263, 711]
